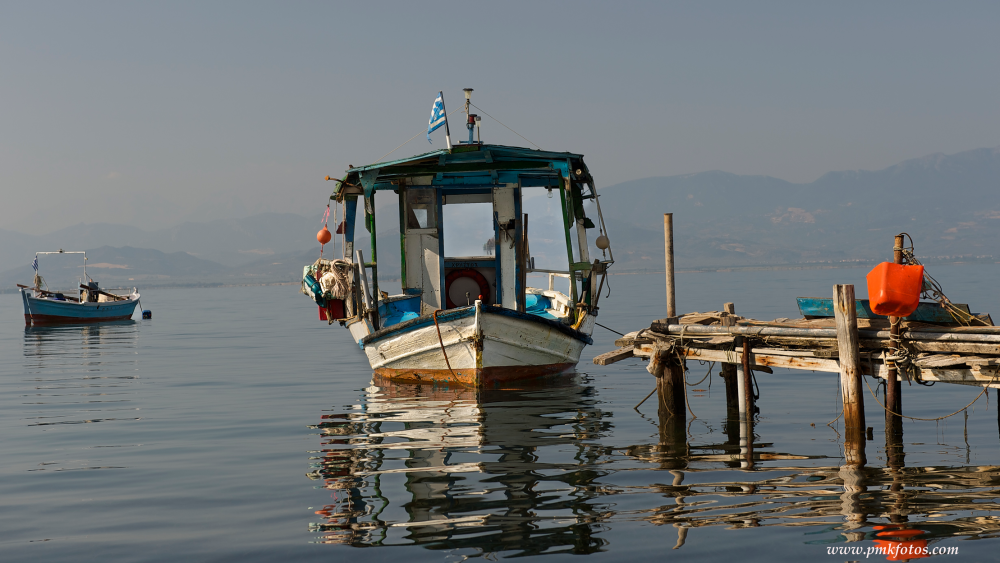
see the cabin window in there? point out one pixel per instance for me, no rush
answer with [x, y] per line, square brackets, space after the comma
[421, 209]
[468, 229]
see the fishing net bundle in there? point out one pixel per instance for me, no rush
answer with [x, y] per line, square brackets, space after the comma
[335, 277]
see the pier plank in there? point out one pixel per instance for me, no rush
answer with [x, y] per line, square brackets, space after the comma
[978, 375]
[613, 356]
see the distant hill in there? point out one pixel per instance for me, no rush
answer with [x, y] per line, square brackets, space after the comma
[230, 242]
[950, 204]
[125, 266]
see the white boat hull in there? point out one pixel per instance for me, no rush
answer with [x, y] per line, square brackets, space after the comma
[482, 347]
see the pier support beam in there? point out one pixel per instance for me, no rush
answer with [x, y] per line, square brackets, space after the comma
[893, 399]
[668, 261]
[850, 372]
[744, 387]
[669, 373]
[728, 374]
[732, 378]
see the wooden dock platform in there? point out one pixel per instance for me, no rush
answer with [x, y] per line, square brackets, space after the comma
[966, 355]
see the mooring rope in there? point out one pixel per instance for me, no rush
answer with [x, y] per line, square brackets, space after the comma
[644, 400]
[710, 366]
[611, 329]
[441, 342]
[932, 289]
[839, 399]
[985, 387]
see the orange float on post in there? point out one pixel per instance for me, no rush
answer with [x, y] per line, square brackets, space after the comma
[894, 289]
[324, 236]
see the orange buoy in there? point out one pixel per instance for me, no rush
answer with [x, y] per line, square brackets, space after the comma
[894, 289]
[324, 236]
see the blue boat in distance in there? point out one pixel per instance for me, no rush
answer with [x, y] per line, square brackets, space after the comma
[91, 304]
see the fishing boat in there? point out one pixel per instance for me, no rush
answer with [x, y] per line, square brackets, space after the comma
[466, 320]
[91, 304]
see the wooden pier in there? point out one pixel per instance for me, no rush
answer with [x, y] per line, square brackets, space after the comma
[845, 344]
[840, 335]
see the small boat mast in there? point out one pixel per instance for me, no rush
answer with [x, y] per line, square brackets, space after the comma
[61, 251]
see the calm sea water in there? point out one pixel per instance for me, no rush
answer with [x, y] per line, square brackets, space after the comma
[236, 426]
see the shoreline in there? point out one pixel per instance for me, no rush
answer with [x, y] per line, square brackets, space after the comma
[700, 270]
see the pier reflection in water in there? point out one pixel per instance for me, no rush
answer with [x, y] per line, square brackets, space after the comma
[532, 471]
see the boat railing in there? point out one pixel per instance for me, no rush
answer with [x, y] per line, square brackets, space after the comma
[553, 274]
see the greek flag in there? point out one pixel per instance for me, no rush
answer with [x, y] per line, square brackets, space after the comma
[438, 117]
[34, 263]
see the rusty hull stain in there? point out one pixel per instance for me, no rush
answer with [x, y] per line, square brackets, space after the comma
[479, 377]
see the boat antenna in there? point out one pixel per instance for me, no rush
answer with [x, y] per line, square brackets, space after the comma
[471, 118]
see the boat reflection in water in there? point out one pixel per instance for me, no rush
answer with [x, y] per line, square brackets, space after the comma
[81, 374]
[461, 468]
[72, 343]
[532, 471]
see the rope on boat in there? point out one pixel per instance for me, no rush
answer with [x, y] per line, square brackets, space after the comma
[441, 342]
[422, 132]
[508, 128]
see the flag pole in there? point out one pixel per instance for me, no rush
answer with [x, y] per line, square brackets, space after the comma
[447, 131]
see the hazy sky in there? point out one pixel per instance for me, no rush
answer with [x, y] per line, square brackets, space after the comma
[150, 113]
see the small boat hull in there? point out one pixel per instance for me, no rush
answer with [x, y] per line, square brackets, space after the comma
[483, 347]
[40, 311]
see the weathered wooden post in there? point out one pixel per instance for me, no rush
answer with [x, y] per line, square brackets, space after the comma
[670, 406]
[728, 374]
[893, 393]
[746, 402]
[851, 472]
[850, 372]
[668, 259]
[669, 373]
[748, 399]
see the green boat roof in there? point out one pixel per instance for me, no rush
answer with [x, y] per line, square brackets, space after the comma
[470, 167]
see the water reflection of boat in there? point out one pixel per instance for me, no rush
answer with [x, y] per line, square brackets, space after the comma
[530, 470]
[484, 470]
[81, 374]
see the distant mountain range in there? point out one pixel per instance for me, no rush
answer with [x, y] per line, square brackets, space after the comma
[230, 242]
[146, 267]
[950, 204]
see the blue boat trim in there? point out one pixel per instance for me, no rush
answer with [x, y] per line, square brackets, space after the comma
[927, 311]
[463, 312]
[47, 311]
